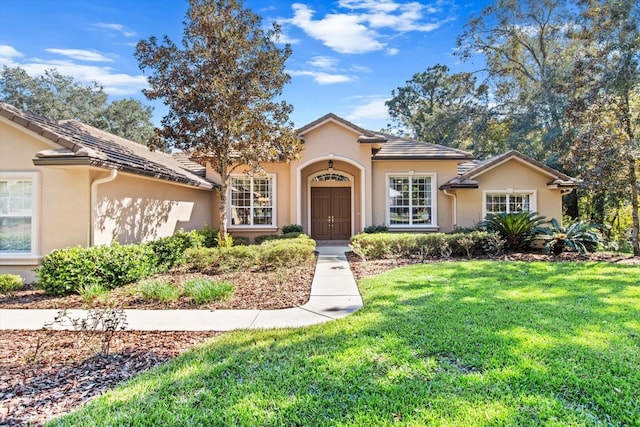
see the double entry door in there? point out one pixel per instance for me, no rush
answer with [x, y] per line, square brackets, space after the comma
[331, 213]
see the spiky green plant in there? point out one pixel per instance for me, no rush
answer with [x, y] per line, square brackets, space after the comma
[517, 229]
[577, 237]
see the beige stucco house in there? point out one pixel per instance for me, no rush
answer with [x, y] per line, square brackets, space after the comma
[65, 184]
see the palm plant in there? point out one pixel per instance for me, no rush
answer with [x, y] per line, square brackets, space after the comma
[578, 237]
[517, 229]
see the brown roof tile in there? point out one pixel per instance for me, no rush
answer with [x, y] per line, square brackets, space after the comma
[84, 144]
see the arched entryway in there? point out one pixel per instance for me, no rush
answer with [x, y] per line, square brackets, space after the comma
[331, 205]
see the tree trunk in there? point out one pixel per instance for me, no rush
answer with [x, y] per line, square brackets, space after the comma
[222, 209]
[633, 182]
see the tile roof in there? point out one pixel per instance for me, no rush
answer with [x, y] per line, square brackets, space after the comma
[397, 148]
[469, 171]
[85, 145]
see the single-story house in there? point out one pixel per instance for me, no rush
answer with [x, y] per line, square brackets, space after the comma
[66, 183]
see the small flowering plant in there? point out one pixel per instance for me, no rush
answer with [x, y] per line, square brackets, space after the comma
[576, 237]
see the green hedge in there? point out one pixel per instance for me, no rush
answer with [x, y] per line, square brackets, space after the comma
[438, 245]
[270, 254]
[64, 271]
[169, 250]
[10, 283]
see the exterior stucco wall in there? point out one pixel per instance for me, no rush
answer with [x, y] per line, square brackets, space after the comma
[511, 176]
[62, 212]
[444, 171]
[333, 141]
[133, 209]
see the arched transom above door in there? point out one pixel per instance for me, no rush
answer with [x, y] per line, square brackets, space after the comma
[331, 177]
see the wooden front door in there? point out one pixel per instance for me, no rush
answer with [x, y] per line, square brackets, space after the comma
[331, 213]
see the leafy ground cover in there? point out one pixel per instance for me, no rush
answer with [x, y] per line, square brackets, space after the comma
[451, 343]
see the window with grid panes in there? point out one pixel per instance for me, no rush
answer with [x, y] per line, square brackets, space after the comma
[251, 201]
[410, 200]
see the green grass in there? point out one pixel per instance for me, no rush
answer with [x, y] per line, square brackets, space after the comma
[205, 290]
[476, 343]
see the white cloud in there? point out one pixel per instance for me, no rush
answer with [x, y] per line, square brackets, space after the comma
[322, 77]
[324, 62]
[343, 33]
[81, 55]
[116, 27]
[8, 52]
[373, 109]
[392, 51]
[359, 30]
[115, 83]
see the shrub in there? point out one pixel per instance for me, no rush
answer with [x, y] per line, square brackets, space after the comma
[423, 245]
[291, 235]
[209, 236]
[292, 228]
[64, 271]
[517, 229]
[376, 229]
[265, 237]
[579, 236]
[202, 258]
[286, 252]
[237, 258]
[205, 290]
[170, 250]
[241, 241]
[9, 283]
[158, 290]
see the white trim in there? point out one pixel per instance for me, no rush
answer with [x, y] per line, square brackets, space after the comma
[434, 200]
[274, 203]
[363, 195]
[34, 177]
[533, 202]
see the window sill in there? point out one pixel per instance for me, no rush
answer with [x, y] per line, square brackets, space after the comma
[20, 259]
[252, 228]
[413, 228]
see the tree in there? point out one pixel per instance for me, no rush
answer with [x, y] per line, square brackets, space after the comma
[440, 107]
[528, 56]
[605, 107]
[220, 88]
[59, 97]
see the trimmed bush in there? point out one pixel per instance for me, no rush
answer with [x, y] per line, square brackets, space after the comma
[292, 228]
[376, 229]
[9, 283]
[205, 290]
[291, 235]
[241, 241]
[209, 236]
[258, 240]
[170, 250]
[64, 271]
[238, 258]
[286, 252]
[436, 245]
[202, 258]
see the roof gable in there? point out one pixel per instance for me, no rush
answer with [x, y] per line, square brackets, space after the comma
[85, 145]
[330, 117]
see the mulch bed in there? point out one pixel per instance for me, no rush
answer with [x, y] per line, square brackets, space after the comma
[65, 372]
[283, 288]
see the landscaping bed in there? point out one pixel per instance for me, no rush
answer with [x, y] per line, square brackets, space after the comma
[282, 288]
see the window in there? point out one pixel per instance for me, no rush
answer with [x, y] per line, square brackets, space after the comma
[252, 201]
[411, 200]
[18, 210]
[508, 202]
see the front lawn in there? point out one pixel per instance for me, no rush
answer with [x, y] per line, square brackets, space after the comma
[452, 343]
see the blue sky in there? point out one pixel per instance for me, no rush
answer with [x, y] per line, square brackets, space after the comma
[348, 55]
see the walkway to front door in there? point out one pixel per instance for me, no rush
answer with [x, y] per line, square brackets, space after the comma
[330, 213]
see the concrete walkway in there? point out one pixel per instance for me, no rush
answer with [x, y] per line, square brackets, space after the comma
[334, 294]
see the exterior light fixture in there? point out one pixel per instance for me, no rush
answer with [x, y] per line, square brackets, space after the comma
[330, 164]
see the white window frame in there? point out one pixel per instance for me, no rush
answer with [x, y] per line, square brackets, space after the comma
[274, 205]
[533, 198]
[34, 253]
[434, 200]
